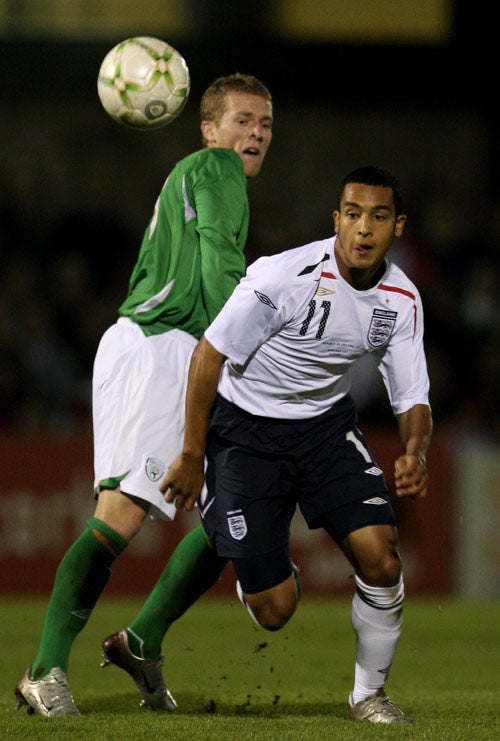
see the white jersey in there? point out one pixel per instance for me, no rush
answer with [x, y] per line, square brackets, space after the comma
[293, 328]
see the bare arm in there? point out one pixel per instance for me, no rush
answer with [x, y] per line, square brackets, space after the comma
[410, 473]
[184, 479]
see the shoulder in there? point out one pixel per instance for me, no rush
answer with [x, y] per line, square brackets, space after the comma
[297, 261]
[291, 271]
[213, 161]
[396, 280]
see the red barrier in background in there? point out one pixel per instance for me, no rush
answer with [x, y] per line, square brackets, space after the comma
[45, 500]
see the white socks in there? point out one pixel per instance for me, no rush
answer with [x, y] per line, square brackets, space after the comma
[376, 618]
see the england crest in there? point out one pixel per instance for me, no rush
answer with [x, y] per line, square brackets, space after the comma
[381, 327]
[237, 525]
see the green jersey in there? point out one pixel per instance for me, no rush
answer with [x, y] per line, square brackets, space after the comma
[191, 256]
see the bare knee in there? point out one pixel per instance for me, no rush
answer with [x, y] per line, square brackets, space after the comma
[373, 551]
[274, 607]
[122, 512]
[385, 572]
[272, 616]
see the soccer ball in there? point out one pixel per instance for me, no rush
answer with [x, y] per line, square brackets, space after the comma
[143, 83]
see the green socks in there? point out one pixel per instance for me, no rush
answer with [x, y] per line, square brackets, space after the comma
[192, 569]
[84, 572]
[80, 579]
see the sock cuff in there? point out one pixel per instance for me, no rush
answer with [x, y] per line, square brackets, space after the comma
[110, 539]
[381, 597]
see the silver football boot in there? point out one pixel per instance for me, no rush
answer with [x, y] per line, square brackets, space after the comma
[378, 708]
[48, 696]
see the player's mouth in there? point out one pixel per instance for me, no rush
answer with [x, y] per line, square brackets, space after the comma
[252, 151]
[362, 249]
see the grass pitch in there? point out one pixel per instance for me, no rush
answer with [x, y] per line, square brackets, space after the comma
[234, 681]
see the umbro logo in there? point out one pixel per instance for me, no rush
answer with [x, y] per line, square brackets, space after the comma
[374, 471]
[81, 614]
[374, 500]
[264, 299]
[385, 671]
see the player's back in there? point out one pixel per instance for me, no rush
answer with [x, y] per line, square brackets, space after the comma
[198, 228]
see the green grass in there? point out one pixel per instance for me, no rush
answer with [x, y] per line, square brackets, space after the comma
[235, 681]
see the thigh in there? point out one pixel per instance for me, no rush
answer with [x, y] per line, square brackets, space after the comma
[353, 516]
[260, 573]
[341, 472]
[366, 532]
[247, 510]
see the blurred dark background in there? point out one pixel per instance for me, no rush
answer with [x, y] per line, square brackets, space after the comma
[410, 86]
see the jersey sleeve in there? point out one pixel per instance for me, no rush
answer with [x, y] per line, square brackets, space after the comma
[221, 205]
[403, 365]
[256, 310]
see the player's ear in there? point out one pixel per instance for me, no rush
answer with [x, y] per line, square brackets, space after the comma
[208, 131]
[336, 216]
[400, 223]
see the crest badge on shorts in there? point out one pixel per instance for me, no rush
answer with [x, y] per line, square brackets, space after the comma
[155, 468]
[381, 327]
[237, 525]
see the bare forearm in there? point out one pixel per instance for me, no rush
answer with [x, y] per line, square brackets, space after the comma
[184, 479]
[203, 378]
[410, 470]
[415, 430]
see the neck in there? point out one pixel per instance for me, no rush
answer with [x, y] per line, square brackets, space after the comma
[362, 280]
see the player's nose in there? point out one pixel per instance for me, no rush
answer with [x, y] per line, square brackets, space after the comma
[257, 131]
[364, 227]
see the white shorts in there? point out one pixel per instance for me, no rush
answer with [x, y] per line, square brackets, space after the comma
[138, 397]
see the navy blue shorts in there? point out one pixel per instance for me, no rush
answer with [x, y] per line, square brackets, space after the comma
[259, 469]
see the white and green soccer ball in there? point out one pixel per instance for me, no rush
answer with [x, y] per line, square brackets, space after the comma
[143, 83]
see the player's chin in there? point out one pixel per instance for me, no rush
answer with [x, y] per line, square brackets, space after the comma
[252, 166]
